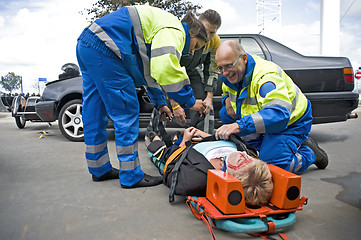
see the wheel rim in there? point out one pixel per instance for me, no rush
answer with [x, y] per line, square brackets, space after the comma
[72, 121]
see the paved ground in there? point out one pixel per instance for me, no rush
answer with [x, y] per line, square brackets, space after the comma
[47, 193]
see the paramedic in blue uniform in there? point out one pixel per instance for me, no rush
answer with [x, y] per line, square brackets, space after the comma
[133, 46]
[262, 105]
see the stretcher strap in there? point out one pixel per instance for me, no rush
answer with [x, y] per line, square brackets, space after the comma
[173, 156]
[207, 221]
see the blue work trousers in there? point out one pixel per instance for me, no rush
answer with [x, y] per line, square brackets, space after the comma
[109, 90]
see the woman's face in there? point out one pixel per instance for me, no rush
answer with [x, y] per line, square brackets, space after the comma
[196, 43]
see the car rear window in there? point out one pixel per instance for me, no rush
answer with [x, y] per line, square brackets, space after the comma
[252, 47]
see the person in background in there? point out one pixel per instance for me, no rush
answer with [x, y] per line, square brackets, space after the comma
[131, 47]
[262, 105]
[202, 72]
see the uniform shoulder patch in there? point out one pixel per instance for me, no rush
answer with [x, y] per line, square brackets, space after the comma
[266, 88]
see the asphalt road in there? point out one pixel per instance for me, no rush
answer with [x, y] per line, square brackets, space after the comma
[47, 193]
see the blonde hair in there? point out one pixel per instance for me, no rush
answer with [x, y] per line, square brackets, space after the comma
[257, 183]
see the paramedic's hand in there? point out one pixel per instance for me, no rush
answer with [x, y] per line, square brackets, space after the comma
[178, 111]
[207, 103]
[230, 110]
[198, 106]
[180, 114]
[166, 113]
[224, 131]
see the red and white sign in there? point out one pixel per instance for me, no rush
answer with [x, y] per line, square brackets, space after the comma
[358, 74]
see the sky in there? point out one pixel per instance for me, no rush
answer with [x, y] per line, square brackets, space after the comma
[37, 37]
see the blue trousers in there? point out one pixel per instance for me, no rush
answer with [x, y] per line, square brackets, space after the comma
[284, 149]
[109, 90]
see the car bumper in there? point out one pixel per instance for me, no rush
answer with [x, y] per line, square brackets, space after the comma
[332, 106]
[46, 110]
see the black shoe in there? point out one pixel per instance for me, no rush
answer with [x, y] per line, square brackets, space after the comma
[113, 174]
[149, 138]
[147, 181]
[321, 156]
[176, 136]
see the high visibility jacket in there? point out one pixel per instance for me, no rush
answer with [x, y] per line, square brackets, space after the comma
[150, 41]
[267, 100]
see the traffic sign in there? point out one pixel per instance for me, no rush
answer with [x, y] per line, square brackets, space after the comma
[42, 79]
[358, 74]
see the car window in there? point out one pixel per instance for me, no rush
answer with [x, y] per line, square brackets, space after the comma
[252, 47]
[226, 39]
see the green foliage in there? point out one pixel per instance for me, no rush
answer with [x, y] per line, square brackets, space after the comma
[10, 81]
[177, 7]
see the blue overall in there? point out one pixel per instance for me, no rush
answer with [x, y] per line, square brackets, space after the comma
[281, 144]
[113, 64]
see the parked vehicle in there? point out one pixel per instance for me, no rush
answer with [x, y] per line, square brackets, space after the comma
[23, 110]
[326, 81]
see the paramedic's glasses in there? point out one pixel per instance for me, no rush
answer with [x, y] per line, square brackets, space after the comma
[228, 67]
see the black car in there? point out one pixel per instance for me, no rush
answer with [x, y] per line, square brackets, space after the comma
[326, 81]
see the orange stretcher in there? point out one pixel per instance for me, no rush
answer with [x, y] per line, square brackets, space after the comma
[224, 206]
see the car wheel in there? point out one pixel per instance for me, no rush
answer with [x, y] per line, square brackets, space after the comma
[70, 121]
[20, 122]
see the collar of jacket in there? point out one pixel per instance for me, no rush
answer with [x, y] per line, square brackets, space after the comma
[247, 78]
[187, 44]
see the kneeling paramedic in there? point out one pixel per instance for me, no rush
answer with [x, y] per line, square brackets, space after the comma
[262, 105]
[131, 47]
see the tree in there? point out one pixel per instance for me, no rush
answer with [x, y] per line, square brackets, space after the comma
[177, 7]
[10, 81]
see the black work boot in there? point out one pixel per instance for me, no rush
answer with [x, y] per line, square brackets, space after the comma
[113, 174]
[147, 181]
[321, 156]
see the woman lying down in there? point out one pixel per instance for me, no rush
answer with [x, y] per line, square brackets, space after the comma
[199, 151]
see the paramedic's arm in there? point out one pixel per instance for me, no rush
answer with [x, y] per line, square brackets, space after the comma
[210, 72]
[166, 50]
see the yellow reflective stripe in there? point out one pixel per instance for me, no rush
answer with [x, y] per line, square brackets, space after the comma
[129, 165]
[122, 150]
[98, 163]
[258, 122]
[165, 50]
[95, 148]
[97, 30]
[138, 31]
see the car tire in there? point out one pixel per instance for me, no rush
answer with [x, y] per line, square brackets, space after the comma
[70, 120]
[20, 122]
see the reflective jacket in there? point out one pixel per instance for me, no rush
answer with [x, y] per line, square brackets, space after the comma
[150, 41]
[266, 100]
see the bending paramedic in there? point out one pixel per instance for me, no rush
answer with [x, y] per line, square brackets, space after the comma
[133, 46]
